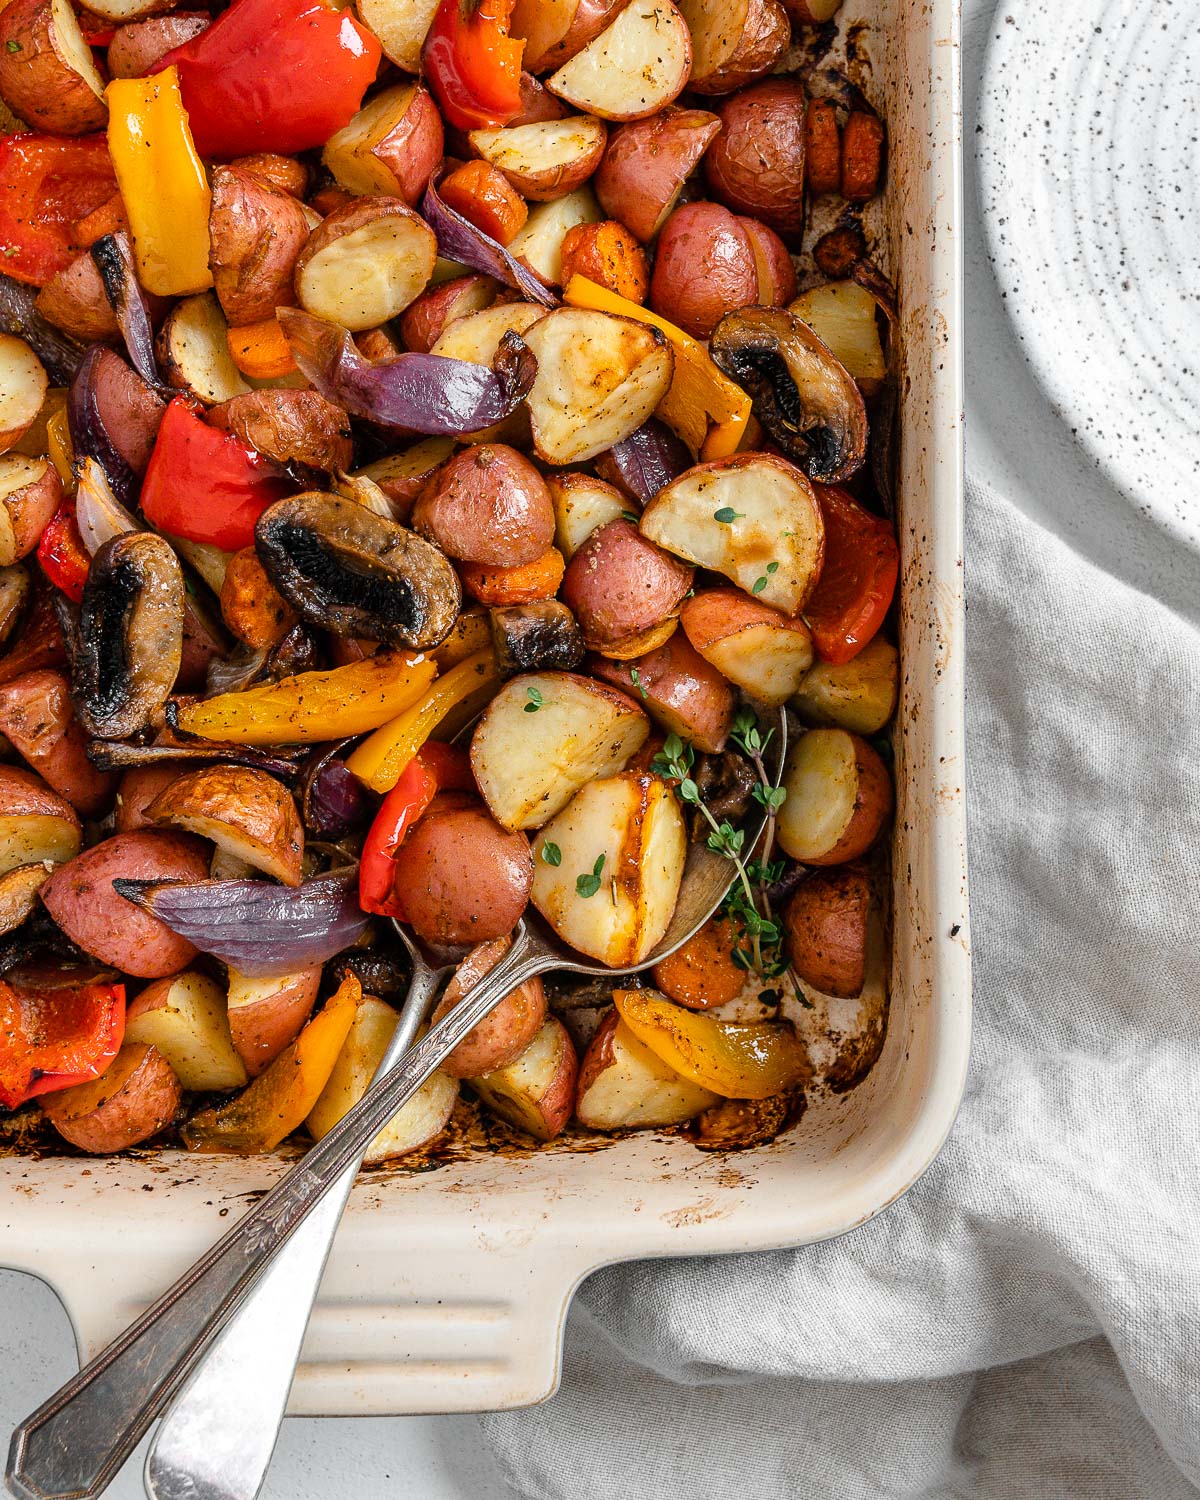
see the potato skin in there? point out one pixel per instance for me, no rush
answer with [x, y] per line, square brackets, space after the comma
[703, 269]
[136, 1097]
[609, 255]
[763, 41]
[618, 585]
[463, 879]
[24, 793]
[74, 300]
[872, 806]
[502, 1035]
[776, 273]
[646, 163]
[756, 165]
[422, 323]
[487, 505]
[81, 899]
[31, 507]
[825, 924]
[292, 427]
[139, 47]
[37, 715]
[284, 173]
[257, 235]
[679, 688]
[139, 787]
[37, 81]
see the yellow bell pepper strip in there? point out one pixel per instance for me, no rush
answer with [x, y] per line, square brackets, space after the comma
[704, 407]
[379, 761]
[738, 1060]
[332, 705]
[469, 634]
[162, 183]
[278, 1100]
[60, 449]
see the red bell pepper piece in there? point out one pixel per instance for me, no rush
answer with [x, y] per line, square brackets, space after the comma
[397, 813]
[47, 184]
[205, 484]
[472, 64]
[55, 1035]
[40, 643]
[450, 766]
[273, 75]
[858, 579]
[65, 561]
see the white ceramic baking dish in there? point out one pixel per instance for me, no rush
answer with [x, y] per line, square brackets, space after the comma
[447, 1289]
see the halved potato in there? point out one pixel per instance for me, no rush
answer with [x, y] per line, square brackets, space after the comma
[623, 590]
[757, 648]
[245, 812]
[400, 26]
[582, 505]
[606, 870]
[30, 492]
[426, 319]
[734, 42]
[23, 386]
[842, 314]
[555, 30]
[536, 1093]
[633, 68]
[134, 1098]
[599, 378]
[193, 350]
[47, 74]
[19, 891]
[623, 1085]
[859, 695]
[267, 1014]
[547, 160]
[539, 242]
[529, 764]
[507, 1029]
[416, 1123]
[37, 825]
[365, 263]
[683, 693]
[752, 517]
[390, 146]
[839, 796]
[184, 1017]
[646, 164]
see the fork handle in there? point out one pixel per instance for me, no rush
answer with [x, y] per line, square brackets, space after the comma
[216, 1438]
[74, 1444]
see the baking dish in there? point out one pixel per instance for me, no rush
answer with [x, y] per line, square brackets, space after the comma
[447, 1289]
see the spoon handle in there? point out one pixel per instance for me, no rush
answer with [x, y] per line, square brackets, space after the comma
[74, 1444]
[216, 1438]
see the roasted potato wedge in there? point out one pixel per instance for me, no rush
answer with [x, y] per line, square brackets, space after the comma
[757, 648]
[247, 813]
[193, 350]
[635, 67]
[842, 314]
[581, 506]
[23, 386]
[619, 586]
[365, 263]
[19, 889]
[505, 1032]
[547, 160]
[37, 825]
[704, 267]
[733, 44]
[291, 427]
[256, 234]
[184, 1018]
[623, 1085]
[38, 717]
[680, 690]
[859, 695]
[646, 164]
[139, 47]
[392, 145]
[137, 1096]
[539, 243]
[400, 26]
[30, 493]
[267, 1014]
[487, 504]
[839, 796]
[555, 30]
[535, 1092]
[47, 75]
[755, 165]
[426, 319]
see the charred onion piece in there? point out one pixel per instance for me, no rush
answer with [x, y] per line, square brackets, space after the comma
[536, 637]
[350, 571]
[113, 258]
[332, 801]
[805, 399]
[129, 642]
[114, 755]
[18, 315]
[427, 393]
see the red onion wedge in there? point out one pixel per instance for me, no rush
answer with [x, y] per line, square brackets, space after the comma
[332, 800]
[99, 515]
[113, 257]
[648, 459]
[19, 315]
[119, 755]
[458, 239]
[256, 926]
[424, 393]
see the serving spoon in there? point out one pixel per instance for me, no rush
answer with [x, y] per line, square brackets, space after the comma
[73, 1445]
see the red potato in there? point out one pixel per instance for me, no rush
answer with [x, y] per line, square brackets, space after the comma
[30, 493]
[756, 165]
[365, 263]
[247, 814]
[138, 48]
[401, 26]
[734, 42]
[825, 925]
[19, 889]
[138, 788]
[547, 160]
[392, 145]
[608, 254]
[257, 233]
[638, 64]
[37, 825]
[681, 692]
[47, 75]
[555, 30]
[757, 648]
[184, 1018]
[704, 267]
[488, 505]
[582, 505]
[282, 172]
[623, 1085]
[859, 695]
[74, 300]
[23, 386]
[403, 476]
[463, 878]
[136, 1097]
[292, 427]
[267, 1013]
[37, 715]
[505, 1032]
[535, 1092]
[422, 324]
[839, 796]
[537, 103]
[81, 899]
[619, 585]
[193, 351]
[773, 264]
[646, 164]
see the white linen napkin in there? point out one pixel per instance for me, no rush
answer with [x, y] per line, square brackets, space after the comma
[1026, 1322]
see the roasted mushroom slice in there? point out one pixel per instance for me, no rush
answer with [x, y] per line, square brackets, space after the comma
[127, 643]
[536, 637]
[805, 399]
[350, 571]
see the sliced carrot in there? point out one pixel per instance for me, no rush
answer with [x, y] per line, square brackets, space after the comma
[526, 584]
[107, 219]
[329, 199]
[702, 973]
[482, 194]
[822, 147]
[862, 156]
[260, 350]
[609, 255]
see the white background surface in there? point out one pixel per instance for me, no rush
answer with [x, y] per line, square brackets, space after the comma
[1015, 441]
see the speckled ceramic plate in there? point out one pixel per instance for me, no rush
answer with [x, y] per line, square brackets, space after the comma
[1089, 165]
